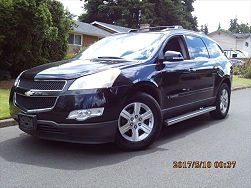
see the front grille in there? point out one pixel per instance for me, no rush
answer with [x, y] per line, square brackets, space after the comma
[32, 103]
[41, 84]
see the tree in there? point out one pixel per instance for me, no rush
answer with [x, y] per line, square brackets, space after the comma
[130, 12]
[219, 27]
[191, 21]
[234, 26]
[244, 28]
[32, 32]
[121, 12]
[204, 29]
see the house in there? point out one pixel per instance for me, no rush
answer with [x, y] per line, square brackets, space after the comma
[233, 41]
[110, 28]
[85, 34]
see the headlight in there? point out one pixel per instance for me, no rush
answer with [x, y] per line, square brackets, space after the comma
[17, 79]
[104, 79]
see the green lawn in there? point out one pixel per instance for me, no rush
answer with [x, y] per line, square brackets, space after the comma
[4, 103]
[241, 82]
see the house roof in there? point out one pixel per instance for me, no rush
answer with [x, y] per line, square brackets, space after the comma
[235, 35]
[86, 28]
[242, 35]
[115, 28]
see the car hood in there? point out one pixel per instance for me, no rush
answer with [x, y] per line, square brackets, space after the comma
[74, 68]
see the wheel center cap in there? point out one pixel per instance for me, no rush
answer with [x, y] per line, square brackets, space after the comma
[135, 121]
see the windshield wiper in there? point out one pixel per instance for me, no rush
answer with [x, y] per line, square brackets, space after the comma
[109, 57]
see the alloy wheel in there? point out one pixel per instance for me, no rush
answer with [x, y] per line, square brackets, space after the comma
[136, 122]
[224, 101]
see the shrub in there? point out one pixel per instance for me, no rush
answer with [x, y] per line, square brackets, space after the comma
[32, 32]
[244, 70]
[247, 71]
[70, 55]
[236, 70]
[4, 75]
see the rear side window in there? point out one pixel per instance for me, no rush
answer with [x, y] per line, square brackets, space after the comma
[197, 47]
[213, 48]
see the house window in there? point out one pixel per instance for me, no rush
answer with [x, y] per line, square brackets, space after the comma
[75, 39]
[78, 39]
[246, 44]
[71, 39]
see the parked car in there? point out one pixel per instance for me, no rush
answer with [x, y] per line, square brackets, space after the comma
[236, 56]
[124, 88]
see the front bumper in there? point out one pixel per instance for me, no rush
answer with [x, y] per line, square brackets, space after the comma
[92, 133]
[54, 125]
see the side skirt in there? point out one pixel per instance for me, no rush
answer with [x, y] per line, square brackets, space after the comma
[189, 115]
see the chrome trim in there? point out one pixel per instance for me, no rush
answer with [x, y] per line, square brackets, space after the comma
[34, 110]
[175, 107]
[14, 102]
[189, 115]
[65, 82]
[189, 92]
[36, 95]
[18, 79]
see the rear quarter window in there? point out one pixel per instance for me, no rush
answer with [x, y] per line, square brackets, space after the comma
[213, 48]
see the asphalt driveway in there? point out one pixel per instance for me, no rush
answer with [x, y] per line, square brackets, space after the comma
[27, 162]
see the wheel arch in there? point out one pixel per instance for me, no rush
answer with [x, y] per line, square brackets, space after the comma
[227, 81]
[147, 87]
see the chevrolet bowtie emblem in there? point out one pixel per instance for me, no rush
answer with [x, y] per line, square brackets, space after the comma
[29, 93]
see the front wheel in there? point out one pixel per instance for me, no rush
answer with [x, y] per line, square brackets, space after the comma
[222, 102]
[139, 122]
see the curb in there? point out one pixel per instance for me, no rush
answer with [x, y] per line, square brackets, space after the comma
[7, 122]
[234, 89]
[12, 122]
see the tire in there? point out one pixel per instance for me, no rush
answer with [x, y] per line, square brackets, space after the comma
[139, 122]
[222, 102]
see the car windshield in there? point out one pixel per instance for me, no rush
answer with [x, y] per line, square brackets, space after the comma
[131, 46]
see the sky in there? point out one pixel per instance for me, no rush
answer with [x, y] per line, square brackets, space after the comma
[74, 6]
[210, 12]
[213, 12]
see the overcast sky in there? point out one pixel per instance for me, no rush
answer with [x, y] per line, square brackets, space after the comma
[211, 12]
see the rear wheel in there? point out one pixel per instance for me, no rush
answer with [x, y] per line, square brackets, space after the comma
[139, 122]
[222, 102]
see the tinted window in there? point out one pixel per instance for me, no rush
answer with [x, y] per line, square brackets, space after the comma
[213, 48]
[177, 44]
[197, 47]
[131, 46]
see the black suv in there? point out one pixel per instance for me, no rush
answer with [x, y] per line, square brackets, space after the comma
[124, 87]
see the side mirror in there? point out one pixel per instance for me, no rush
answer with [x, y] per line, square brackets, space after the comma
[173, 56]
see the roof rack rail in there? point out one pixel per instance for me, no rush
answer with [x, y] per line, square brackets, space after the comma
[157, 28]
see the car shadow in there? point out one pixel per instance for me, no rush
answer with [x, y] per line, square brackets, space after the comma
[59, 155]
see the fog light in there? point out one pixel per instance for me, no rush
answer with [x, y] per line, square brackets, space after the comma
[81, 115]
